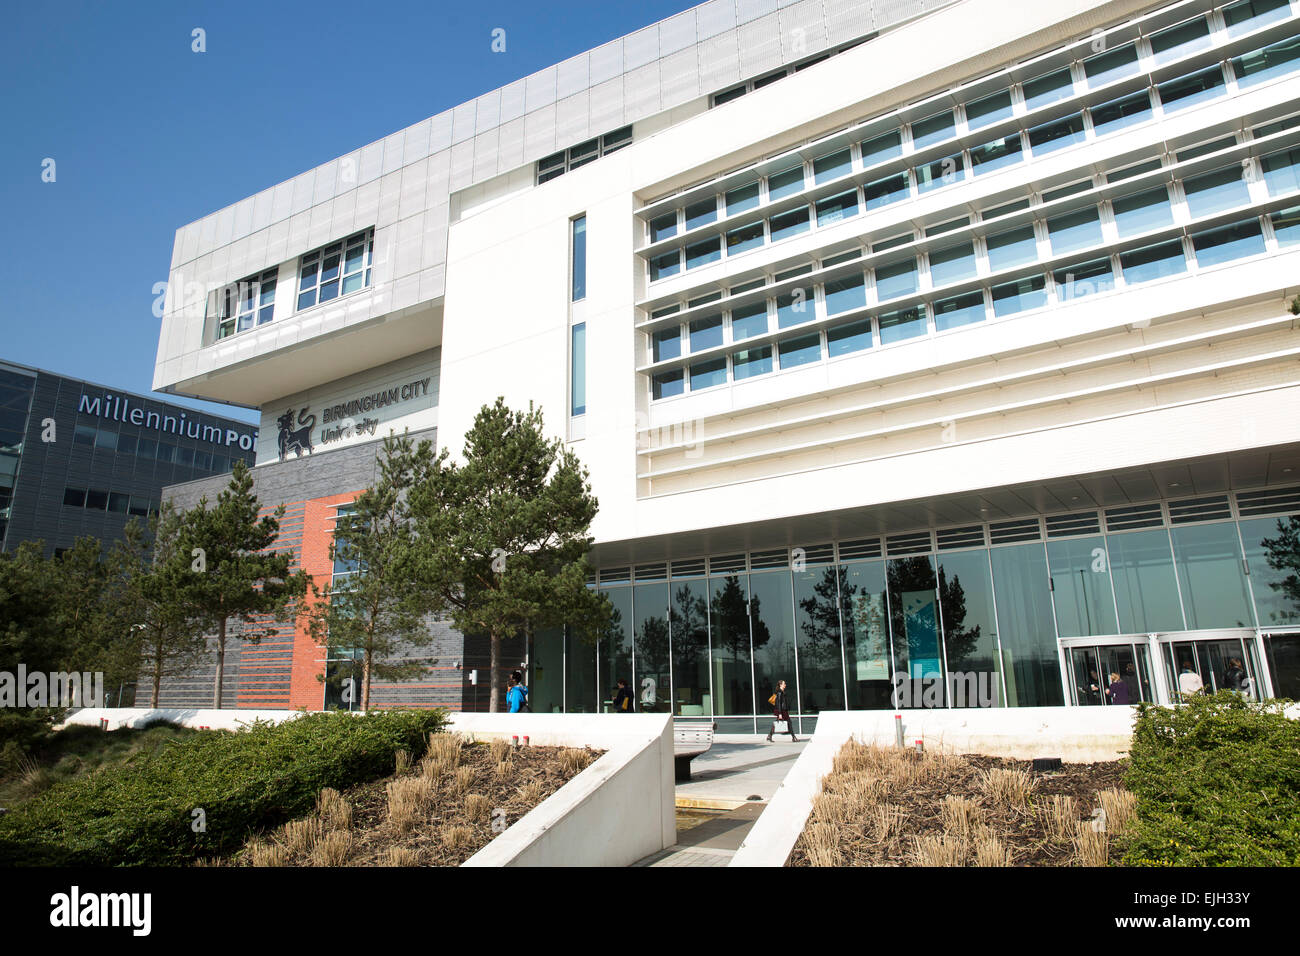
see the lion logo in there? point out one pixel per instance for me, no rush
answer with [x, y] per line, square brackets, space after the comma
[295, 440]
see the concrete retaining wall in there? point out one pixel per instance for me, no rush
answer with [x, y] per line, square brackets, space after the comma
[618, 810]
[134, 717]
[1075, 734]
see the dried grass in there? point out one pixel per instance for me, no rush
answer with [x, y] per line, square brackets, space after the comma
[334, 811]
[991, 851]
[457, 836]
[575, 760]
[532, 792]
[1120, 807]
[1062, 813]
[300, 836]
[400, 856]
[960, 814]
[477, 807]
[500, 748]
[333, 849]
[949, 849]
[823, 840]
[408, 800]
[267, 854]
[402, 762]
[464, 779]
[1010, 788]
[887, 822]
[1091, 847]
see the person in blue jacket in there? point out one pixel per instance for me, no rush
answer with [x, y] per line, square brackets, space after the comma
[517, 695]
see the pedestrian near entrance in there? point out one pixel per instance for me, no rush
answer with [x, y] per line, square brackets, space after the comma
[1189, 682]
[623, 699]
[1117, 692]
[515, 696]
[1234, 676]
[780, 712]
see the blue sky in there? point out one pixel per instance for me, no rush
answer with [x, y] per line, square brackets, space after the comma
[148, 135]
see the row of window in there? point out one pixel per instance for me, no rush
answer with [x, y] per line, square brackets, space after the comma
[95, 500]
[911, 183]
[1207, 248]
[567, 160]
[323, 274]
[163, 451]
[736, 92]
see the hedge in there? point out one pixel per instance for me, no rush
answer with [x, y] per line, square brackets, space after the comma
[141, 812]
[1217, 783]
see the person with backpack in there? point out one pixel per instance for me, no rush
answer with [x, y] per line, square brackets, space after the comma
[623, 703]
[780, 711]
[520, 689]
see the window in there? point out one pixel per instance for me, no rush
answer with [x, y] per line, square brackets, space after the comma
[708, 374]
[335, 270]
[882, 147]
[785, 183]
[1261, 65]
[118, 502]
[1250, 15]
[902, 324]
[896, 280]
[1142, 212]
[663, 227]
[701, 253]
[1111, 65]
[836, 208]
[796, 306]
[557, 164]
[578, 371]
[801, 351]
[832, 165]
[74, 497]
[749, 236]
[933, 129]
[1056, 135]
[1286, 226]
[959, 310]
[1216, 246]
[1282, 172]
[1085, 278]
[942, 172]
[988, 109]
[882, 192]
[845, 294]
[706, 333]
[1189, 90]
[84, 435]
[98, 500]
[1121, 112]
[701, 213]
[952, 264]
[1177, 42]
[851, 337]
[996, 155]
[668, 384]
[1048, 88]
[579, 234]
[667, 344]
[1012, 248]
[748, 321]
[126, 444]
[1216, 191]
[246, 303]
[1153, 262]
[1019, 296]
[663, 266]
[787, 224]
[1075, 230]
[751, 362]
[742, 198]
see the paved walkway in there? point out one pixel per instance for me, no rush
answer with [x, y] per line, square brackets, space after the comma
[734, 780]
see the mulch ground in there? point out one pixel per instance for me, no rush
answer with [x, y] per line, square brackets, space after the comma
[1025, 831]
[508, 799]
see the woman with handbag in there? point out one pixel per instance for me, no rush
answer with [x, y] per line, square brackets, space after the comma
[780, 713]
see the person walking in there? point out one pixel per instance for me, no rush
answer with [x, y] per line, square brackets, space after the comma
[515, 696]
[780, 711]
[623, 703]
[517, 678]
[1117, 692]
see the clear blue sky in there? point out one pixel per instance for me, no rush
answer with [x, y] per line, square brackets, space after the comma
[148, 135]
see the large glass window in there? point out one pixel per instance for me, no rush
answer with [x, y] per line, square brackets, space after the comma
[933, 129]
[1273, 555]
[1272, 61]
[1286, 226]
[882, 147]
[546, 671]
[742, 198]
[668, 344]
[787, 224]
[668, 384]
[796, 306]
[952, 264]
[866, 635]
[970, 639]
[733, 680]
[996, 155]
[1216, 191]
[1227, 243]
[1081, 587]
[801, 351]
[706, 251]
[663, 227]
[772, 626]
[1019, 296]
[882, 192]
[1247, 15]
[1211, 576]
[914, 632]
[702, 212]
[844, 294]
[850, 337]
[745, 237]
[1187, 91]
[1122, 112]
[748, 320]
[1146, 592]
[652, 680]
[817, 634]
[832, 165]
[1084, 278]
[901, 324]
[959, 310]
[1048, 88]
[1282, 172]
[706, 333]
[247, 303]
[335, 270]
[1028, 636]
[1153, 262]
[689, 621]
[581, 693]
[751, 362]
[896, 280]
[1056, 135]
[1111, 65]
[665, 265]
[616, 642]
[1176, 42]
[941, 172]
[708, 374]
[785, 183]
[578, 371]
[835, 208]
[1074, 230]
[988, 109]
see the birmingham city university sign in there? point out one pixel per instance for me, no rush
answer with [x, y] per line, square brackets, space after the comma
[341, 421]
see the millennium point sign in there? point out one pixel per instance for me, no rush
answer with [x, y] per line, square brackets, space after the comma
[119, 408]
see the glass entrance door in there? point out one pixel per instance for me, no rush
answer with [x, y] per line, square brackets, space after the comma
[1207, 666]
[1109, 674]
[1284, 664]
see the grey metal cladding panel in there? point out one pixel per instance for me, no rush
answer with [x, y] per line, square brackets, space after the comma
[640, 48]
[747, 10]
[760, 45]
[539, 89]
[679, 78]
[572, 76]
[846, 19]
[803, 30]
[512, 101]
[462, 122]
[487, 113]
[606, 62]
[641, 93]
[714, 17]
[677, 33]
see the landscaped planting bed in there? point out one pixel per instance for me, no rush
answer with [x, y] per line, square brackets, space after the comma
[438, 811]
[894, 807]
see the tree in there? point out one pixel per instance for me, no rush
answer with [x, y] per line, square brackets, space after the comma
[378, 609]
[163, 635]
[1283, 554]
[233, 577]
[503, 538]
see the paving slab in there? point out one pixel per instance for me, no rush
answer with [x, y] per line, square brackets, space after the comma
[731, 774]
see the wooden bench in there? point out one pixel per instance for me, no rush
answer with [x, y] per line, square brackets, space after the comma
[690, 739]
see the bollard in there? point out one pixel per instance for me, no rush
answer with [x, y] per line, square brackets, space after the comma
[514, 741]
[525, 740]
[920, 748]
[898, 731]
[103, 723]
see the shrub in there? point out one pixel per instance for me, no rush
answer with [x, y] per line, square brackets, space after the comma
[1217, 783]
[140, 811]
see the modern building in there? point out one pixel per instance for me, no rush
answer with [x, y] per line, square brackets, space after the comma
[921, 353]
[81, 460]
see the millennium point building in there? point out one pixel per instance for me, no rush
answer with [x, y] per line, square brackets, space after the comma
[921, 353]
[81, 460]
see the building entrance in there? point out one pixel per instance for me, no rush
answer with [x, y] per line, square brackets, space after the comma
[1206, 664]
[1115, 672]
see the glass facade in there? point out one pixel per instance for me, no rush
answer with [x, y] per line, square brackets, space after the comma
[1094, 601]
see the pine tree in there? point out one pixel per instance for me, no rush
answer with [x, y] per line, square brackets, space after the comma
[233, 576]
[377, 609]
[503, 538]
